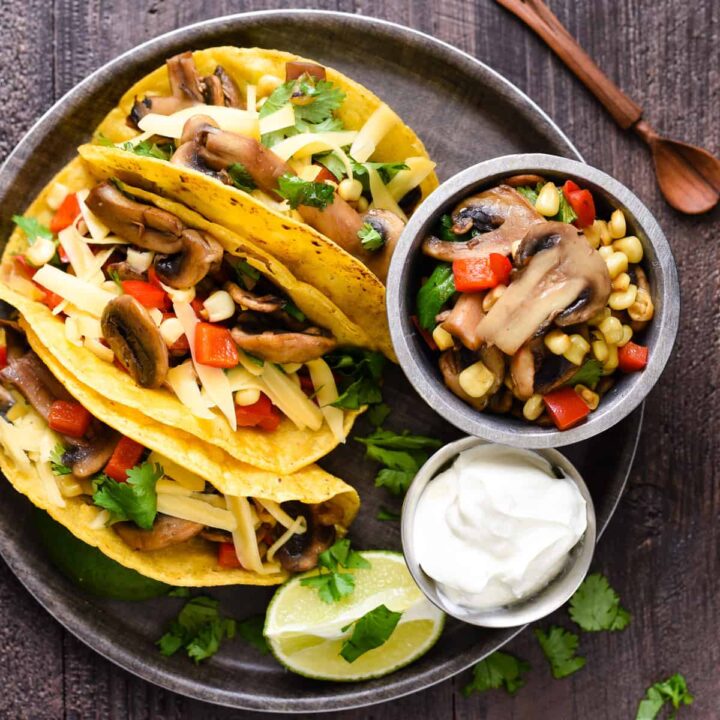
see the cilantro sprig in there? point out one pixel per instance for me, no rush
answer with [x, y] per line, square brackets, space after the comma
[57, 465]
[434, 293]
[559, 646]
[251, 631]
[33, 229]
[369, 632]
[370, 238]
[596, 606]
[241, 177]
[499, 670]
[331, 583]
[305, 192]
[673, 690]
[134, 500]
[589, 374]
[359, 374]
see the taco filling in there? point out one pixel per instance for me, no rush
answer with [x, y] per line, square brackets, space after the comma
[151, 502]
[166, 303]
[283, 141]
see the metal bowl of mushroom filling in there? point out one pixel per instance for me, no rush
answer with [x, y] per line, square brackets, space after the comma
[533, 300]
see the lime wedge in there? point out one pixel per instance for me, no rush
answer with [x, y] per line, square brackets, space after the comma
[306, 636]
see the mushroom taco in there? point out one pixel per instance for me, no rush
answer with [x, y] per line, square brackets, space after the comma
[165, 313]
[150, 497]
[314, 166]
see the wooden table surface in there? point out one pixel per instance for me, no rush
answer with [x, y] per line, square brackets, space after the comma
[661, 551]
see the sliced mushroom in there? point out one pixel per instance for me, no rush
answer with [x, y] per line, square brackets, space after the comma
[297, 68]
[528, 179]
[280, 346]
[136, 341]
[200, 254]
[143, 225]
[124, 271]
[216, 536]
[166, 531]
[231, 94]
[251, 301]
[463, 320]
[501, 216]
[561, 278]
[390, 228]
[300, 552]
[195, 125]
[534, 369]
[453, 362]
[88, 458]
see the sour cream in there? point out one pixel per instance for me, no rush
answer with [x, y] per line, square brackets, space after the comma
[497, 526]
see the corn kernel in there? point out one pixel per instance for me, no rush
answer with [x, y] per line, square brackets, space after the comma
[492, 297]
[41, 251]
[548, 200]
[605, 237]
[622, 300]
[605, 252]
[56, 195]
[350, 189]
[578, 349]
[631, 246]
[248, 396]
[591, 398]
[601, 315]
[533, 407]
[592, 235]
[627, 335]
[600, 350]
[362, 205]
[642, 309]
[611, 363]
[219, 306]
[617, 263]
[156, 316]
[616, 226]
[443, 339]
[611, 328]
[476, 380]
[267, 84]
[72, 331]
[171, 330]
[621, 282]
[557, 342]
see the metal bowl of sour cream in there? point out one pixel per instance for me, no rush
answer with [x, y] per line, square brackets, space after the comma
[498, 551]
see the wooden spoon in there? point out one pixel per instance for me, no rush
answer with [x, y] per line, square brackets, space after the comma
[688, 176]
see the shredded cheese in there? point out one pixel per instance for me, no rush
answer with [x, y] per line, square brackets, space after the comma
[298, 527]
[279, 120]
[378, 125]
[181, 475]
[92, 274]
[183, 382]
[82, 294]
[189, 508]
[251, 98]
[98, 229]
[244, 539]
[381, 196]
[231, 119]
[326, 393]
[291, 400]
[418, 169]
[100, 520]
[276, 511]
[307, 144]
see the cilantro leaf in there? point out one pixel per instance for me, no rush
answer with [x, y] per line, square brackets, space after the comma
[241, 177]
[530, 194]
[145, 148]
[499, 670]
[333, 163]
[385, 514]
[199, 628]
[56, 461]
[134, 500]
[371, 631]
[293, 311]
[589, 374]
[359, 373]
[305, 192]
[596, 606]
[400, 441]
[377, 414]
[243, 267]
[370, 238]
[32, 228]
[278, 97]
[386, 170]
[333, 584]
[445, 231]
[180, 592]
[565, 214]
[326, 98]
[395, 482]
[251, 631]
[674, 690]
[434, 293]
[559, 647]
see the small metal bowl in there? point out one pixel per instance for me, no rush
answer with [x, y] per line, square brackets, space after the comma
[555, 594]
[421, 369]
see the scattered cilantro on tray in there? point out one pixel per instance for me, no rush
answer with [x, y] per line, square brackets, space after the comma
[499, 670]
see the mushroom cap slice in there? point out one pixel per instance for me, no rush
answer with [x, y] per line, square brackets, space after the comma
[199, 255]
[136, 341]
[534, 369]
[390, 227]
[560, 278]
[280, 346]
[300, 552]
[166, 531]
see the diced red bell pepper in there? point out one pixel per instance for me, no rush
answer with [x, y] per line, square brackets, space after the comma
[324, 175]
[227, 557]
[426, 336]
[126, 456]
[3, 356]
[582, 203]
[51, 299]
[147, 294]
[565, 407]
[214, 346]
[153, 278]
[475, 274]
[69, 418]
[62, 255]
[23, 266]
[262, 414]
[67, 212]
[632, 357]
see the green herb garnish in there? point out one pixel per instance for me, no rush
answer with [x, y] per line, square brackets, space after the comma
[359, 373]
[499, 670]
[596, 606]
[370, 238]
[565, 214]
[673, 690]
[251, 631]
[305, 192]
[433, 295]
[559, 647]
[278, 98]
[388, 515]
[589, 374]
[369, 632]
[134, 500]
[32, 228]
[294, 311]
[377, 414]
[241, 177]
[56, 461]
[332, 584]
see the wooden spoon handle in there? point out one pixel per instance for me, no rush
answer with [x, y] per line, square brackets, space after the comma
[540, 18]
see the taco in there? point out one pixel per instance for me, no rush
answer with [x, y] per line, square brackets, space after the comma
[155, 499]
[159, 310]
[231, 131]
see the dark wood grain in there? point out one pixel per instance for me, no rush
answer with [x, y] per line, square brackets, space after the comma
[662, 549]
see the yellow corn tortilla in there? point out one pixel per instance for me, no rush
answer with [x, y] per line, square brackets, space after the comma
[308, 254]
[285, 450]
[193, 563]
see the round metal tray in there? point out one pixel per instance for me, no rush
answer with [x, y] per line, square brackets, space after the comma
[464, 112]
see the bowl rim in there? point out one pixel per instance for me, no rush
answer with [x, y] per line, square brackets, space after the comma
[541, 604]
[496, 428]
